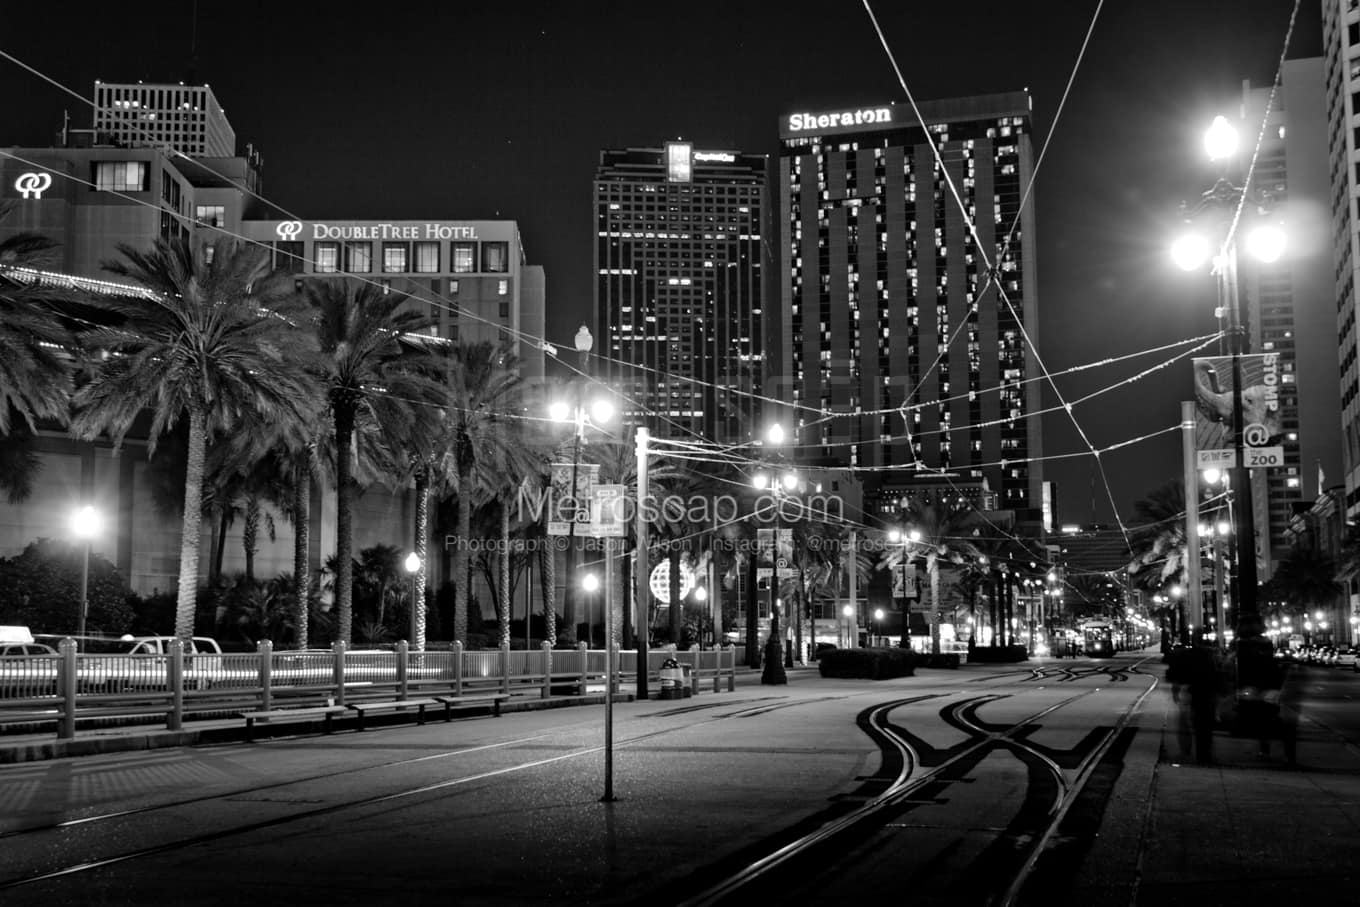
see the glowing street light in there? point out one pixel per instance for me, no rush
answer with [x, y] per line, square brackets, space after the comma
[413, 565]
[86, 523]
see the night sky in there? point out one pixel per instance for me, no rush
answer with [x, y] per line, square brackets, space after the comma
[499, 110]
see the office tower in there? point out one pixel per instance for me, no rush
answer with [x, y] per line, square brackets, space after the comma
[1340, 43]
[896, 350]
[680, 285]
[185, 118]
[1288, 305]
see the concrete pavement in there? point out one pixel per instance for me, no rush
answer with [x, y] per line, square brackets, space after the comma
[1245, 830]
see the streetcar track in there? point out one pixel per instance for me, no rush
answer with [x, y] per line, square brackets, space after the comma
[907, 788]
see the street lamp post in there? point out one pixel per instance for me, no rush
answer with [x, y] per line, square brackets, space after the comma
[878, 626]
[1266, 243]
[85, 524]
[599, 412]
[906, 538]
[773, 670]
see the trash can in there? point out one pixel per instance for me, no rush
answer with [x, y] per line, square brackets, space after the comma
[687, 681]
[672, 679]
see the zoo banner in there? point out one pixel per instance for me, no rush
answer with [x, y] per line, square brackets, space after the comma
[1266, 379]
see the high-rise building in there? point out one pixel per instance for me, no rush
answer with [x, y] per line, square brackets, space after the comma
[1288, 305]
[898, 350]
[680, 286]
[1340, 47]
[185, 118]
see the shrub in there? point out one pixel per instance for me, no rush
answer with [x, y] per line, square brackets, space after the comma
[943, 660]
[874, 664]
[997, 654]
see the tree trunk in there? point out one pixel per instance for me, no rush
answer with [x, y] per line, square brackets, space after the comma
[547, 582]
[250, 534]
[422, 534]
[302, 580]
[673, 612]
[186, 602]
[219, 546]
[934, 607]
[461, 561]
[344, 524]
[503, 599]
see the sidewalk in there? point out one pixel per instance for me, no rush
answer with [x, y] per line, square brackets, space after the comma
[1245, 830]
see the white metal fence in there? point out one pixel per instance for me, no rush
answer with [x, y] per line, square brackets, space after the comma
[72, 685]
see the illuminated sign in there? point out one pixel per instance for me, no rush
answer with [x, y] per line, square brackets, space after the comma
[802, 122]
[679, 166]
[720, 157]
[290, 230]
[34, 184]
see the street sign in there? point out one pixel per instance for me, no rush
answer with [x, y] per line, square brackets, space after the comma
[785, 569]
[1263, 457]
[607, 511]
[1216, 458]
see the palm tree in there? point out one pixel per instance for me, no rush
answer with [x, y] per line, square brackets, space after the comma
[486, 436]
[1158, 539]
[945, 532]
[218, 337]
[379, 372]
[35, 362]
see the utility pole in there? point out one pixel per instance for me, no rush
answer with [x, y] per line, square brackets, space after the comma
[640, 572]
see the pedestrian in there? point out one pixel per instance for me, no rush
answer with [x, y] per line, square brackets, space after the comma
[1179, 672]
[1260, 682]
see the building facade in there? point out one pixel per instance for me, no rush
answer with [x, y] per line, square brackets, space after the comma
[1288, 305]
[469, 278]
[680, 287]
[898, 351]
[174, 117]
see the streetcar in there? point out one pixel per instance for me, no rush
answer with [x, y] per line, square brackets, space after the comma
[1097, 638]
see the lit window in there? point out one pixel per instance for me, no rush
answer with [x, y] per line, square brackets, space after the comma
[394, 257]
[211, 215]
[495, 257]
[120, 176]
[327, 257]
[359, 257]
[464, 257]
[427, 258]
[453, 288]
[503, 288]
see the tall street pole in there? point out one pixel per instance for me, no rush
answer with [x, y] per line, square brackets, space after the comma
[1244, 590]
[640, 571]
[1190, 460]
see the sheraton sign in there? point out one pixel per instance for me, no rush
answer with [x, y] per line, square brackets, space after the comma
[867, 116]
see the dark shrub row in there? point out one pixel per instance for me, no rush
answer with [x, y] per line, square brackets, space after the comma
[874, 664]
[997, 655]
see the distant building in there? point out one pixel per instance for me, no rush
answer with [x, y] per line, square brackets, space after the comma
[173, 117]
[680, 285]
[895, 354]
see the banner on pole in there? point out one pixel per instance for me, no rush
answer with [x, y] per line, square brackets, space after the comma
[567, 505]
[608, 511]
[1264, 377]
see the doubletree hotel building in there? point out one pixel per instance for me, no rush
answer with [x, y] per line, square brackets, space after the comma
[887, 323]
[471, 276]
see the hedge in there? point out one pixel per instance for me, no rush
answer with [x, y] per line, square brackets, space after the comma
[997, 654]
[874, 664]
